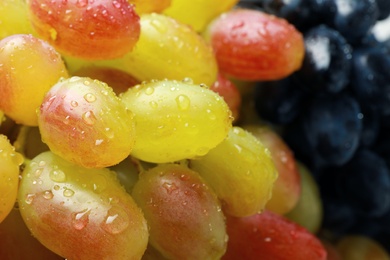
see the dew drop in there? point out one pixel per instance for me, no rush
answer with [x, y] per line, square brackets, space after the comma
[47, 194]
[57, 176]
[153, 104]
[116, 220]
[74, 103]
[89, 97]
[80, 219]
[29, 198]
[149, 90]
[89, 118]
[99, 183]
[68, 192]
[109, 132]
[188, 80]
[183, 102]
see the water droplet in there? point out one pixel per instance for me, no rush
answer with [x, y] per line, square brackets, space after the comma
[74, 103]
[29, 198]
[57, 176]
[56, 187]
[188, 80]
[90, 98]
[68, 192]
[47, 194]
[153, 104]
[169, 187]
[183, 102]
[116, 220]
[149, 90]
[66, 120]
[89, 117]
[80, 219]
[109, 132]
[82, 3]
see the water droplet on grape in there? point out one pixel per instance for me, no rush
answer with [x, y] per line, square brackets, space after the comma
[99, 183]
[29, 198]
[74, 103]
[47, 194]
[57, 176]
[116, 220]
[183, 102]
[80, 219]
[90, 98]
[149, 90]
[68, 192]
[89, 118]
[153, 104]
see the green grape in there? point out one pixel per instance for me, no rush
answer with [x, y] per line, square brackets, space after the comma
[17, 242]
[80, 116]
[80, 213]
[9, 176]
[241, 171]
[176, 120]
[172, 50]
[29, 68]
[183, 214]
[14, 18]
[308, 211]
[198, 13]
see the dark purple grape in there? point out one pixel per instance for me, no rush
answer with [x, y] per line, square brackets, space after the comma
[279, 101]
[384, 9]
[370, 80]
[353, 19]
[327, 63]
[332, 125]
[371, 126]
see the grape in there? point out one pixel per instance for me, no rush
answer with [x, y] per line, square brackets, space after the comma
[87, 208]
[327, 63]
[9, 176]
[253, 45]
[308, 212]
[176, 120]
[29, 142]
[184, 215]
[357, 247]
[103, 29]
[81, 116]
[241, 171]
[230, 94]
[198, 13]
[17, 242]
[150, 6]
[270, 236]
[14, 18]
[29, 67]
[170, 49]
[279, 101]
[287, 188]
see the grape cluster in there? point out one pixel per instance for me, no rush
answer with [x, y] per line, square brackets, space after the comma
[334, 109]
[125, 131]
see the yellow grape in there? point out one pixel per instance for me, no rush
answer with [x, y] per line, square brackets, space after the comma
[241, 171]
[359, 247]
[1, 117]
[176, 120]
[29, 68]
[198, 13]
[14, 18]
[172, 50]
[9, 176]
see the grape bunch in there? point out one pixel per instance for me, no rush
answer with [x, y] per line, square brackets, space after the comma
[175, 129]
[334, 110]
